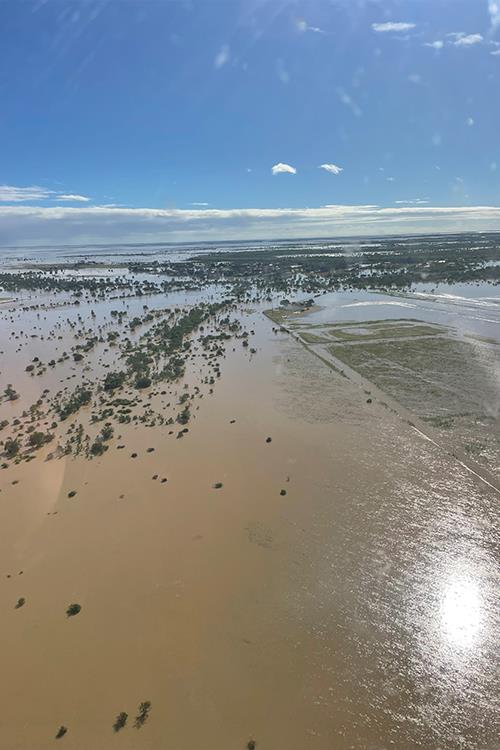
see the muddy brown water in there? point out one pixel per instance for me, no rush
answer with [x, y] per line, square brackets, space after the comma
[359, 610]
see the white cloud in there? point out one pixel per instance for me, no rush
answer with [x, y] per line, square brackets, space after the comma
[11, 194]
[470, 121]
[222, 56]
[413, 202]
[392, 26]
[71, 197]
[199, 203]
[466, 40]
[495, 52]
[303, 26]
[438, 44]
[282, 72]
[42, 225]
[281, 168]
[332, 168]
[494, 11]
[346, 99]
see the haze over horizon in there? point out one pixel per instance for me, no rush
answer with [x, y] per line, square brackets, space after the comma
[195, 121]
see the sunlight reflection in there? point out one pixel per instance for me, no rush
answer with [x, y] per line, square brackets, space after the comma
[461, 611]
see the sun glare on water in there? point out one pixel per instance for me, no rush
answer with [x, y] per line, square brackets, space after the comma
[461, 611]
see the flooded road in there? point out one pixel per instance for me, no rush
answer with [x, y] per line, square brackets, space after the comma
[358, 609]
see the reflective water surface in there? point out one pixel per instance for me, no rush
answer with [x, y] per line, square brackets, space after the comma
[359, 610]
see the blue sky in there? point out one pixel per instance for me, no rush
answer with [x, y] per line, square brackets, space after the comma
[122, 119]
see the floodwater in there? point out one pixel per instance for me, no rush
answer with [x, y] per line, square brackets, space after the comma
[468, 308]
[357, 611]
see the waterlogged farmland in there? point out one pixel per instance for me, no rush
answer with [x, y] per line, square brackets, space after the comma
[242, 476]
[449, 382]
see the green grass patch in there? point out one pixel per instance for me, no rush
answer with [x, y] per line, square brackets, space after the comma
[383, 332]
[276, 315]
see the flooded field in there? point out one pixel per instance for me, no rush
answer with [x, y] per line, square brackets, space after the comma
[450, 381]
[251, 533]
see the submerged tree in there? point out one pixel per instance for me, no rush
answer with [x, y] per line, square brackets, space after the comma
[120, 721]
[11, 447]
[114, 380]
[37, 439]
[143, 714]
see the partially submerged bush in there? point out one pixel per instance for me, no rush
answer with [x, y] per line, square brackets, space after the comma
[114, 380]
[11, 447]
[107, 432]
[81, 397]
[143, 714]
[143, 382]
[37, 439]
[10, 394]
[120, 721]
[73, 610]
[98, 448]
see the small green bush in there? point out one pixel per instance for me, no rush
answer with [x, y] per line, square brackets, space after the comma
[11, 447]
[98, 448]
[114, 380]
[120, 721]
[143, 714]
[143, 382]
[73, 610]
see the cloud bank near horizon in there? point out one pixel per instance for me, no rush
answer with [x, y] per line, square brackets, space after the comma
[44, 225]
[13, 194]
